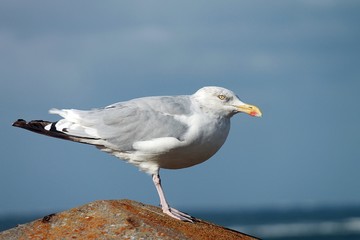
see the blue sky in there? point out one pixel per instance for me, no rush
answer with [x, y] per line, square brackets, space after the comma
[297, 60]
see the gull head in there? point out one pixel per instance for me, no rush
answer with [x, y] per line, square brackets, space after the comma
[223, 101]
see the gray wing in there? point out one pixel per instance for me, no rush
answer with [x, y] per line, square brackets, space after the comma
[124, 123]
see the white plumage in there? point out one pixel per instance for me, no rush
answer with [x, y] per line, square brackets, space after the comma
[169, 132]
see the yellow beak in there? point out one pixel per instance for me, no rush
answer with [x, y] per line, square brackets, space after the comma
[250, 109]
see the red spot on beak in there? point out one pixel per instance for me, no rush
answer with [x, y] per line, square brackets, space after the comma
[253, 113]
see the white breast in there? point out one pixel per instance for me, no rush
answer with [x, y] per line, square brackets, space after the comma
[200, 143]
[202, 140]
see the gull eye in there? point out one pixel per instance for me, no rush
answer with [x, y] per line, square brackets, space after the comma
[221, 97]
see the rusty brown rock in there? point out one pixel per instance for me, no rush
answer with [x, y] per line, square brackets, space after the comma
[118, 219]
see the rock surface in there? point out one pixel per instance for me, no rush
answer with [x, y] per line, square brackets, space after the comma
[118, 219]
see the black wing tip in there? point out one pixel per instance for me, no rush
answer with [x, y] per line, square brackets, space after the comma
[38, 126]
[19, 123]
[34, 125]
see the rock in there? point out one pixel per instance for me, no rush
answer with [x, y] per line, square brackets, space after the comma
[118, 219]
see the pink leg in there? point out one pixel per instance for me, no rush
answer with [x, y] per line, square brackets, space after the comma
[165, 206]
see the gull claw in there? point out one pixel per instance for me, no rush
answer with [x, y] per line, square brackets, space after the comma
[174, 213]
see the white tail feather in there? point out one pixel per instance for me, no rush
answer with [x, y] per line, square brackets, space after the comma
[72, 123]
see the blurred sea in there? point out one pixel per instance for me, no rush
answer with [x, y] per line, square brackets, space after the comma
[330, 223]
[308, 223]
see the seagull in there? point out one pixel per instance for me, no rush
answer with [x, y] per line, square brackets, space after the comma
[169, 132]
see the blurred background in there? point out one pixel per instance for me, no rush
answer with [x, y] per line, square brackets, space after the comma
[292, 174]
